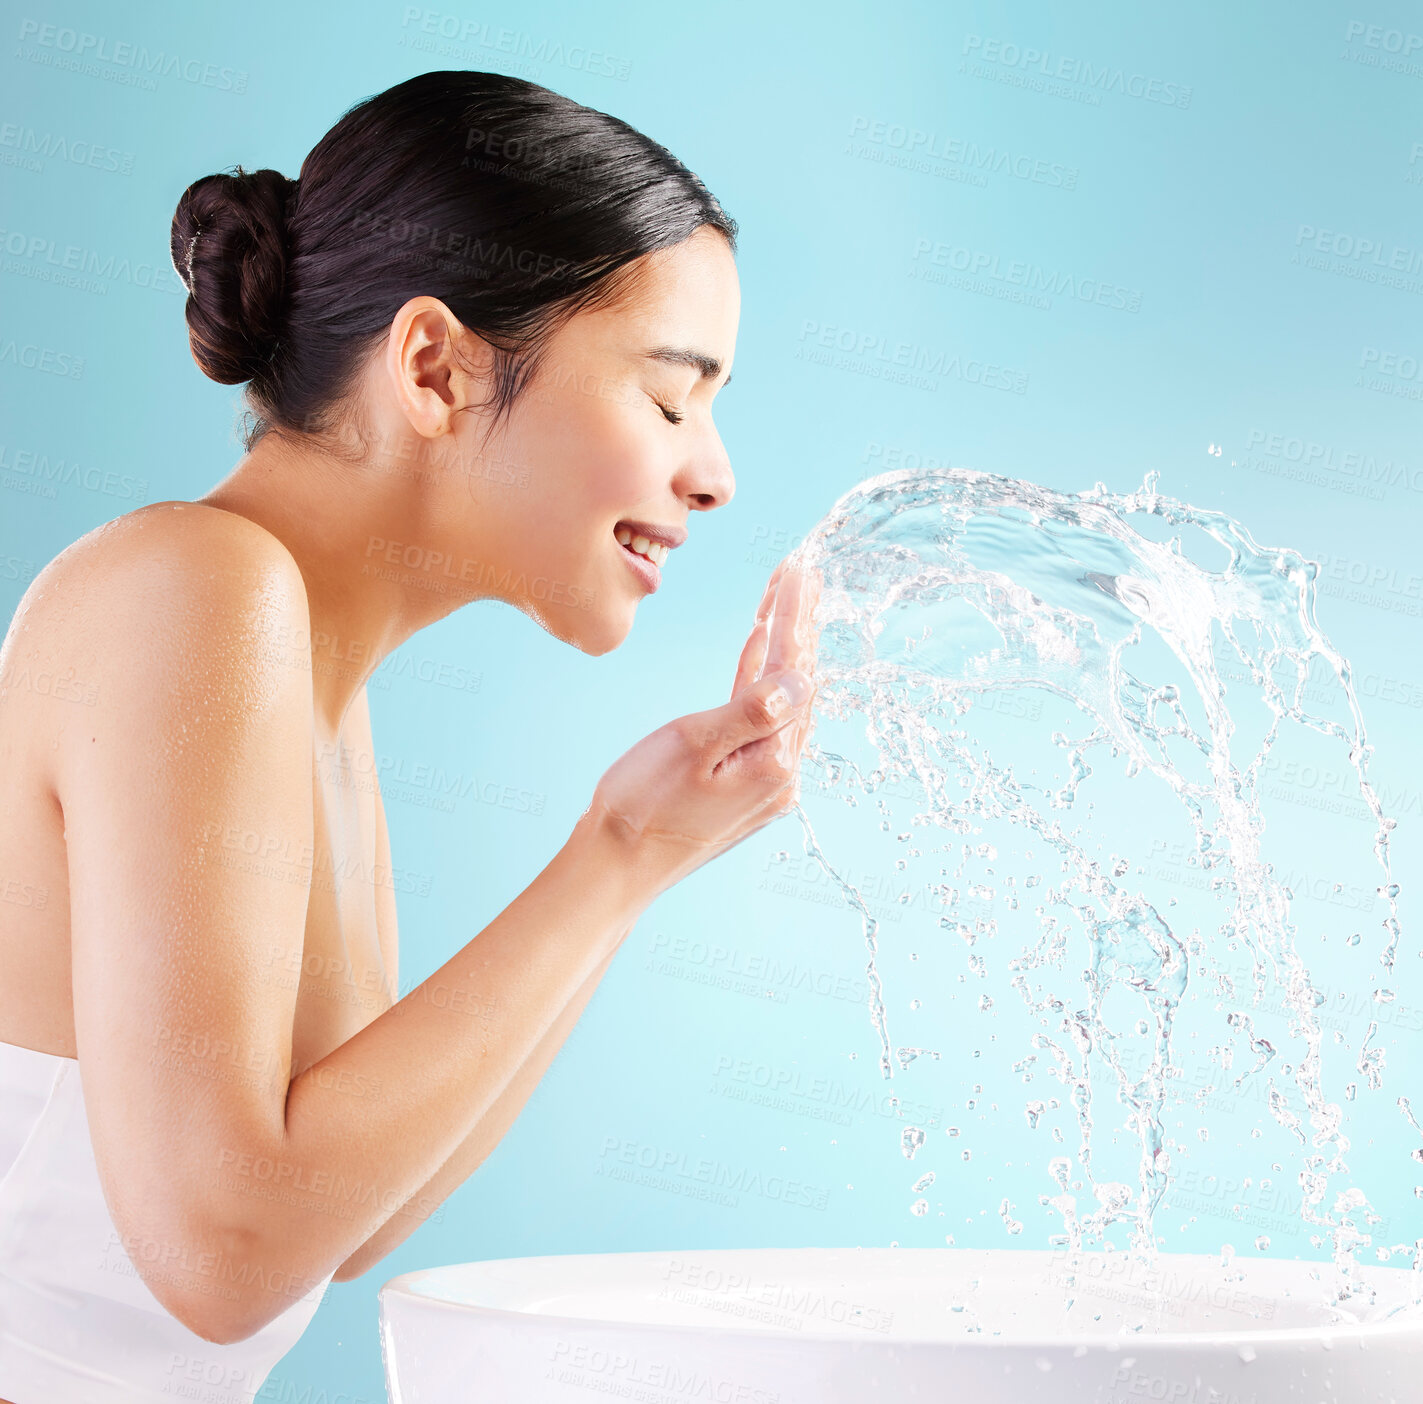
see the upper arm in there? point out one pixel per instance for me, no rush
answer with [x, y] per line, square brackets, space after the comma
[187, 800]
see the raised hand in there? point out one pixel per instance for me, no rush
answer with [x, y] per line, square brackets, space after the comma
[702, 783]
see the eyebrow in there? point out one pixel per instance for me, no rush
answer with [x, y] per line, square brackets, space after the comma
[709, 366]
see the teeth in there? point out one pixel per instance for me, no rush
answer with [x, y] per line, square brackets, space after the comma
[655, 551]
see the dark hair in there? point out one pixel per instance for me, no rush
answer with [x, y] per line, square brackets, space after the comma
[512, 204]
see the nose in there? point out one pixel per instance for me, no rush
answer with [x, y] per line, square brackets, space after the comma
[705, 480]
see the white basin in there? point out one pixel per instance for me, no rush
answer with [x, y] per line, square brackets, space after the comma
[832, 1326]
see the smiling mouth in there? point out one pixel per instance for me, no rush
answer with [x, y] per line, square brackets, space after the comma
[654, 551]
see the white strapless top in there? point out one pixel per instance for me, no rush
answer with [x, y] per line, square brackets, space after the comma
[77, 1322]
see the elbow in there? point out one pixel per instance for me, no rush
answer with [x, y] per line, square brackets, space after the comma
[214, 1325]
[228, 1289]
[221, 1317]
[232, 1316]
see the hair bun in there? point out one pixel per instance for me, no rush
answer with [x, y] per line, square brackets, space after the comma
[229, 245]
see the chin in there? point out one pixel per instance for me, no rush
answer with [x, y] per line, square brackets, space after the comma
[591, 631]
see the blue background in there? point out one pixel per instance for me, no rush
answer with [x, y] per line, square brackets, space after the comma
[1241, 194]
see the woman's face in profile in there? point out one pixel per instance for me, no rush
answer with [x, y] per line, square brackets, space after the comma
[607, 432]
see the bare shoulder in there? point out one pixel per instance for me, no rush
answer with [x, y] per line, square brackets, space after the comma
[164, 540]
[173, 599]
[165, 557]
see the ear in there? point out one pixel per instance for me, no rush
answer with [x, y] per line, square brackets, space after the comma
[436, 365]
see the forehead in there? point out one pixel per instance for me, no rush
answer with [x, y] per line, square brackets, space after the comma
[686, 293]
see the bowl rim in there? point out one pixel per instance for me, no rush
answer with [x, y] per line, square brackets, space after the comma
[1324, 1336]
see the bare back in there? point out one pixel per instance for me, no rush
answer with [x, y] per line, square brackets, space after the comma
[347, 974]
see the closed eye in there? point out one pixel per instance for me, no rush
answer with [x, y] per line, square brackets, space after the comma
[672, 416]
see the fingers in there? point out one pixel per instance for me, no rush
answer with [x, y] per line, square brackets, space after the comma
[753, 654]
[769, 597]
[790, 644]
[759, 711]
[812, 585]
[795, 637]
[784, 635]
[779, 649]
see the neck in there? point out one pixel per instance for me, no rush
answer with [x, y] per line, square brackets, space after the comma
[340, 523]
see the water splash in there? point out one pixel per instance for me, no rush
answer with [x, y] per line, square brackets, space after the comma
[946, 592]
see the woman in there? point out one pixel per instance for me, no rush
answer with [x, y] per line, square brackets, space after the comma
[481, 336]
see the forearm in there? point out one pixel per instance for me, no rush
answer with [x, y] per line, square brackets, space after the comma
[442, 1056]
[476, 1147]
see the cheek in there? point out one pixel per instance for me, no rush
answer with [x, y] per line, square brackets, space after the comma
[614, 456]
[595, 457]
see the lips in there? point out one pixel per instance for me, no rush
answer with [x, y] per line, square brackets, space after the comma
[648, 572]
[640, 545]
[669, 536]
[646, 546]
